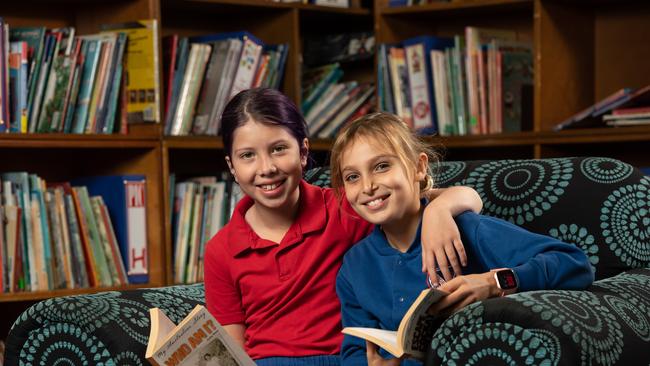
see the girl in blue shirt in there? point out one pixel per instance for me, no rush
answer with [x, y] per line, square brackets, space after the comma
[383, 169]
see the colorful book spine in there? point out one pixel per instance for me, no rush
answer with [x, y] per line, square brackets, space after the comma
[88, 77]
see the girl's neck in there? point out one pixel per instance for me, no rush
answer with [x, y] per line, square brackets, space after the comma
[401, 233]
[272, 223]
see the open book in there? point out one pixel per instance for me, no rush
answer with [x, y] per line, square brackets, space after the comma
[413, 337]
[197, 340]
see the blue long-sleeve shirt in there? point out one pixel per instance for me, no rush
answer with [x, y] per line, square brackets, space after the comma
[377, 283]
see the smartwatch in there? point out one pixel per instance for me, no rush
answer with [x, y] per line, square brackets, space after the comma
[506, 280]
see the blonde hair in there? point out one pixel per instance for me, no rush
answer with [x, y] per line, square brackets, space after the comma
[386, 130]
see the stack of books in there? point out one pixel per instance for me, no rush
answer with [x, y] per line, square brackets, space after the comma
[479, 83]
[65, 235]
[328, 103]
[624, 107]
[202, 73]
[201, 206]
[55, 81]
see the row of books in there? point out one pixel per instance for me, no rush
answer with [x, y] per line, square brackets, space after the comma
[329, 102]
[52, 80]
[202, 206]
[479, 83]
[202, 73]
[624, 107]
[67, 235]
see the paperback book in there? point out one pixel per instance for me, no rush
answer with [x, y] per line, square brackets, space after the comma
[413, 336]
[197, 340]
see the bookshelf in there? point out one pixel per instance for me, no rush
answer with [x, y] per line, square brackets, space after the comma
[577, 53]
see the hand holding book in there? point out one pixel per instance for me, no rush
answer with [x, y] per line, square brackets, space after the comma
[464, 290]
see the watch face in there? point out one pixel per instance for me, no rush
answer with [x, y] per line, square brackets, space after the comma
[507, 279]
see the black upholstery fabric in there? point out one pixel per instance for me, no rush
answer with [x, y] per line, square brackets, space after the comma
[599, 204]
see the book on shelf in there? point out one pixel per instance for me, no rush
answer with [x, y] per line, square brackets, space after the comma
[420, 79]
[593, 116]
[341, 47]
[184, 112]
[384, 86]
[330, 111]
[64, 83]
[398, 71]
[142, 68]
[211, 84]
[476, 83]
[55, 236]
[316, 81]
[125, 200]
[413, 336]
[170, 46]
[199, 211]
[5, 119]
[198, 339]
[360, 96]
[208, 70]
[18, 73]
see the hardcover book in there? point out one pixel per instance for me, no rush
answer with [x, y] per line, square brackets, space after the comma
[125, 198]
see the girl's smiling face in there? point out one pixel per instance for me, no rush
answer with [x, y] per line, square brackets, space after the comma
[377, 184]
[267, 162]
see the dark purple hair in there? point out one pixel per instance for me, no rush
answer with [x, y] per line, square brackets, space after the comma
[263, 105]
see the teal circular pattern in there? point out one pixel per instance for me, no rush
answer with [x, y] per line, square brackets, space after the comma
[551, 343]
[128, 358]
[631, 315]
[445, 335]
[319, 177]
[195, 292]
[625, 223]
[580, 237]
[89, 311]
[134, 320]
[498, 344]
[605, 170]
[520, 190]
[70, 346]
[446, 171]
[174, 307]
[582, 317]
[634, 288]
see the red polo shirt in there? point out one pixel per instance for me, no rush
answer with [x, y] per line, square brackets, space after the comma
[284, 293]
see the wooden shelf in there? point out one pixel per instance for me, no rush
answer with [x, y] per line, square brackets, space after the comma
[245, 6]
[193, 142]
[76, 141]
[41, 295]
[464, 6]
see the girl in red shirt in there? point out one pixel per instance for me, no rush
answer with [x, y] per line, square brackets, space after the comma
[270, 272]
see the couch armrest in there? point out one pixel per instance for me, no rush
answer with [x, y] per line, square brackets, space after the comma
[103, 328]
[607, 324]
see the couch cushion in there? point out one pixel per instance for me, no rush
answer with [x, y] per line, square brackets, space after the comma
[81, 330]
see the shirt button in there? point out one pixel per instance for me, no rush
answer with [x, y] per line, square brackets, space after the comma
[401, 299]
[399, 262]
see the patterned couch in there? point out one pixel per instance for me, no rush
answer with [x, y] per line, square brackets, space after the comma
[599, 204]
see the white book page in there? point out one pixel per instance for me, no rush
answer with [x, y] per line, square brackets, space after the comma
[386, 339]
